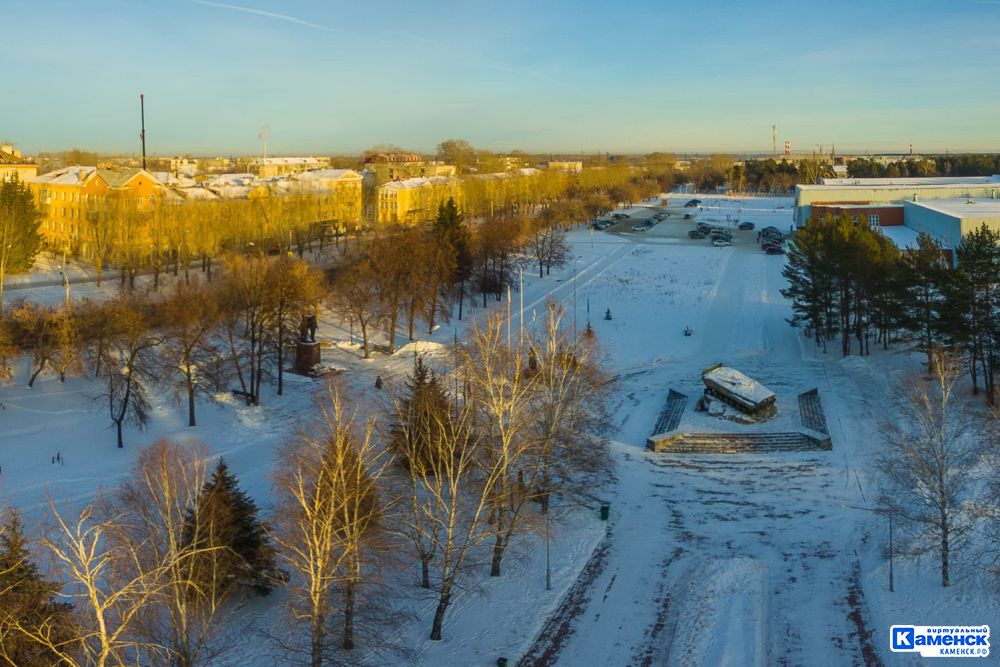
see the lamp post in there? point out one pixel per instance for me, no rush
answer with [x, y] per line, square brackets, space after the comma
[574, 295]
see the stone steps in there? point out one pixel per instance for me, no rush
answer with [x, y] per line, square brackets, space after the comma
[740, 443]
[811, 411]
[670, 416]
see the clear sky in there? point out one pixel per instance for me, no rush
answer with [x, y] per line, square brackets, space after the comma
[539, 75]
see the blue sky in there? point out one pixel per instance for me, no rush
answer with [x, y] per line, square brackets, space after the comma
[539, 75]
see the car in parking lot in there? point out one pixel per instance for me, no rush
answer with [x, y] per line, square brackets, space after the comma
[770, 235]
[774, 251]
[767, 245]
[641, 227]
[601, 224]
[721, 243]
[725, 233]
[704, 227]
[745, 226]
[696, 234]
[619, 216]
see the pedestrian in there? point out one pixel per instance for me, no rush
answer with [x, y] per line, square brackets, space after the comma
[53, 460]
[378, 382]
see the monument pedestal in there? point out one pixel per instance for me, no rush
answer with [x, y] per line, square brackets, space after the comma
[307, 356]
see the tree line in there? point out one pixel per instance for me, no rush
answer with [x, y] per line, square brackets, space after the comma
[453, 467]
[849, 282]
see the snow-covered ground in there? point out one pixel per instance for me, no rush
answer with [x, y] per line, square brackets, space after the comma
[770, 559]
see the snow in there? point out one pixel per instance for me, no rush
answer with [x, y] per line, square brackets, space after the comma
[706, 560]
[903, 237]
[977, 207]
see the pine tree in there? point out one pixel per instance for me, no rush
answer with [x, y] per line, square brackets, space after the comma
[420, 417]
[19, 237]
[27, 604]
[226, 517]
[450, 230]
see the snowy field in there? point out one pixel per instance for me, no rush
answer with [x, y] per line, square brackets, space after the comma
[770, 559]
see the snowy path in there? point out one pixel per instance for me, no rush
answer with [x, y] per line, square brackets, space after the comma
[689, 531]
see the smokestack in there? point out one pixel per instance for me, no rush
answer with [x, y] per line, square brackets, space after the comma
[142, 133]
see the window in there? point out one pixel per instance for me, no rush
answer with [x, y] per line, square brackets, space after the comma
[873, 221]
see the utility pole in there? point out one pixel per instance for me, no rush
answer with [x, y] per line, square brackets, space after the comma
[142, 133]
[774, 141]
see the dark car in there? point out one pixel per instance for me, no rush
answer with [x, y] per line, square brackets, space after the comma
[696, 234]
[693, 203]
[774, 251]
[619, 216]
[745, 226]
[704, 227]
[768, 245]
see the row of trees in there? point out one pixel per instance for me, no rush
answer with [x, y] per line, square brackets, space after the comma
[456, 466]
[940, 165]
[418, 274]
[195, 339]
[847, 280]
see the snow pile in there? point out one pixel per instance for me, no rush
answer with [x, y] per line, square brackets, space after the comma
[421, 347]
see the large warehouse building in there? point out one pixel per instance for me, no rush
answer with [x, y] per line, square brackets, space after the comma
[945, 208]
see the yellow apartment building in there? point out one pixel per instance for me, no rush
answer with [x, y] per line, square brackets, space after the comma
[64, 196]
[413, 201]
[285, 166]
[343, 188]
[14, 165]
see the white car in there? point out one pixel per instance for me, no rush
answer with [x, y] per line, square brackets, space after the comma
[721, 243]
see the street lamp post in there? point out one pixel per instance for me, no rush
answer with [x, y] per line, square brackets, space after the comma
[574, 295]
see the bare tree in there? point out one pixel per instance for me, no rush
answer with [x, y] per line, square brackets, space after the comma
[355, 296]
[190, 317]
[932, 447]
[328, 508]
[129, 367]
[184, 616]
[569, 419]
[495, 367]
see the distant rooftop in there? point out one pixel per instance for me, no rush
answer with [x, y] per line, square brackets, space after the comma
[922, 181]
[417, 182]
[293, 160]
[326, 174]
[979, 207]
[903, 237]
[65, 176]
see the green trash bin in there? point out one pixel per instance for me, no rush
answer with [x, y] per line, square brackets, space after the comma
[605, 511]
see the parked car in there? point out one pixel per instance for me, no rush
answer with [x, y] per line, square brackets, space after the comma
[774, 251]
[641, 227]
[770, 235]
[619, 216]
[695, 234]
[721, 233]
[770, 246]
[693, 203]
[746, 226]
[721, 243]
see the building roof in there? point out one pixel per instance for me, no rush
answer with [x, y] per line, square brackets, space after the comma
[979, 207]
[11, 159]
[327, 175]
[117, 179]
[903, 237]
[292, 161]
[73, 175]
[920, 182]
[416, 182]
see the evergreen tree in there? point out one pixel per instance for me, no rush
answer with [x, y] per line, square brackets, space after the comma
[420, 417]
[924, 275]
[978, 300]
[19, 237]
[226, 517]
[449, 229]
[27, 605]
